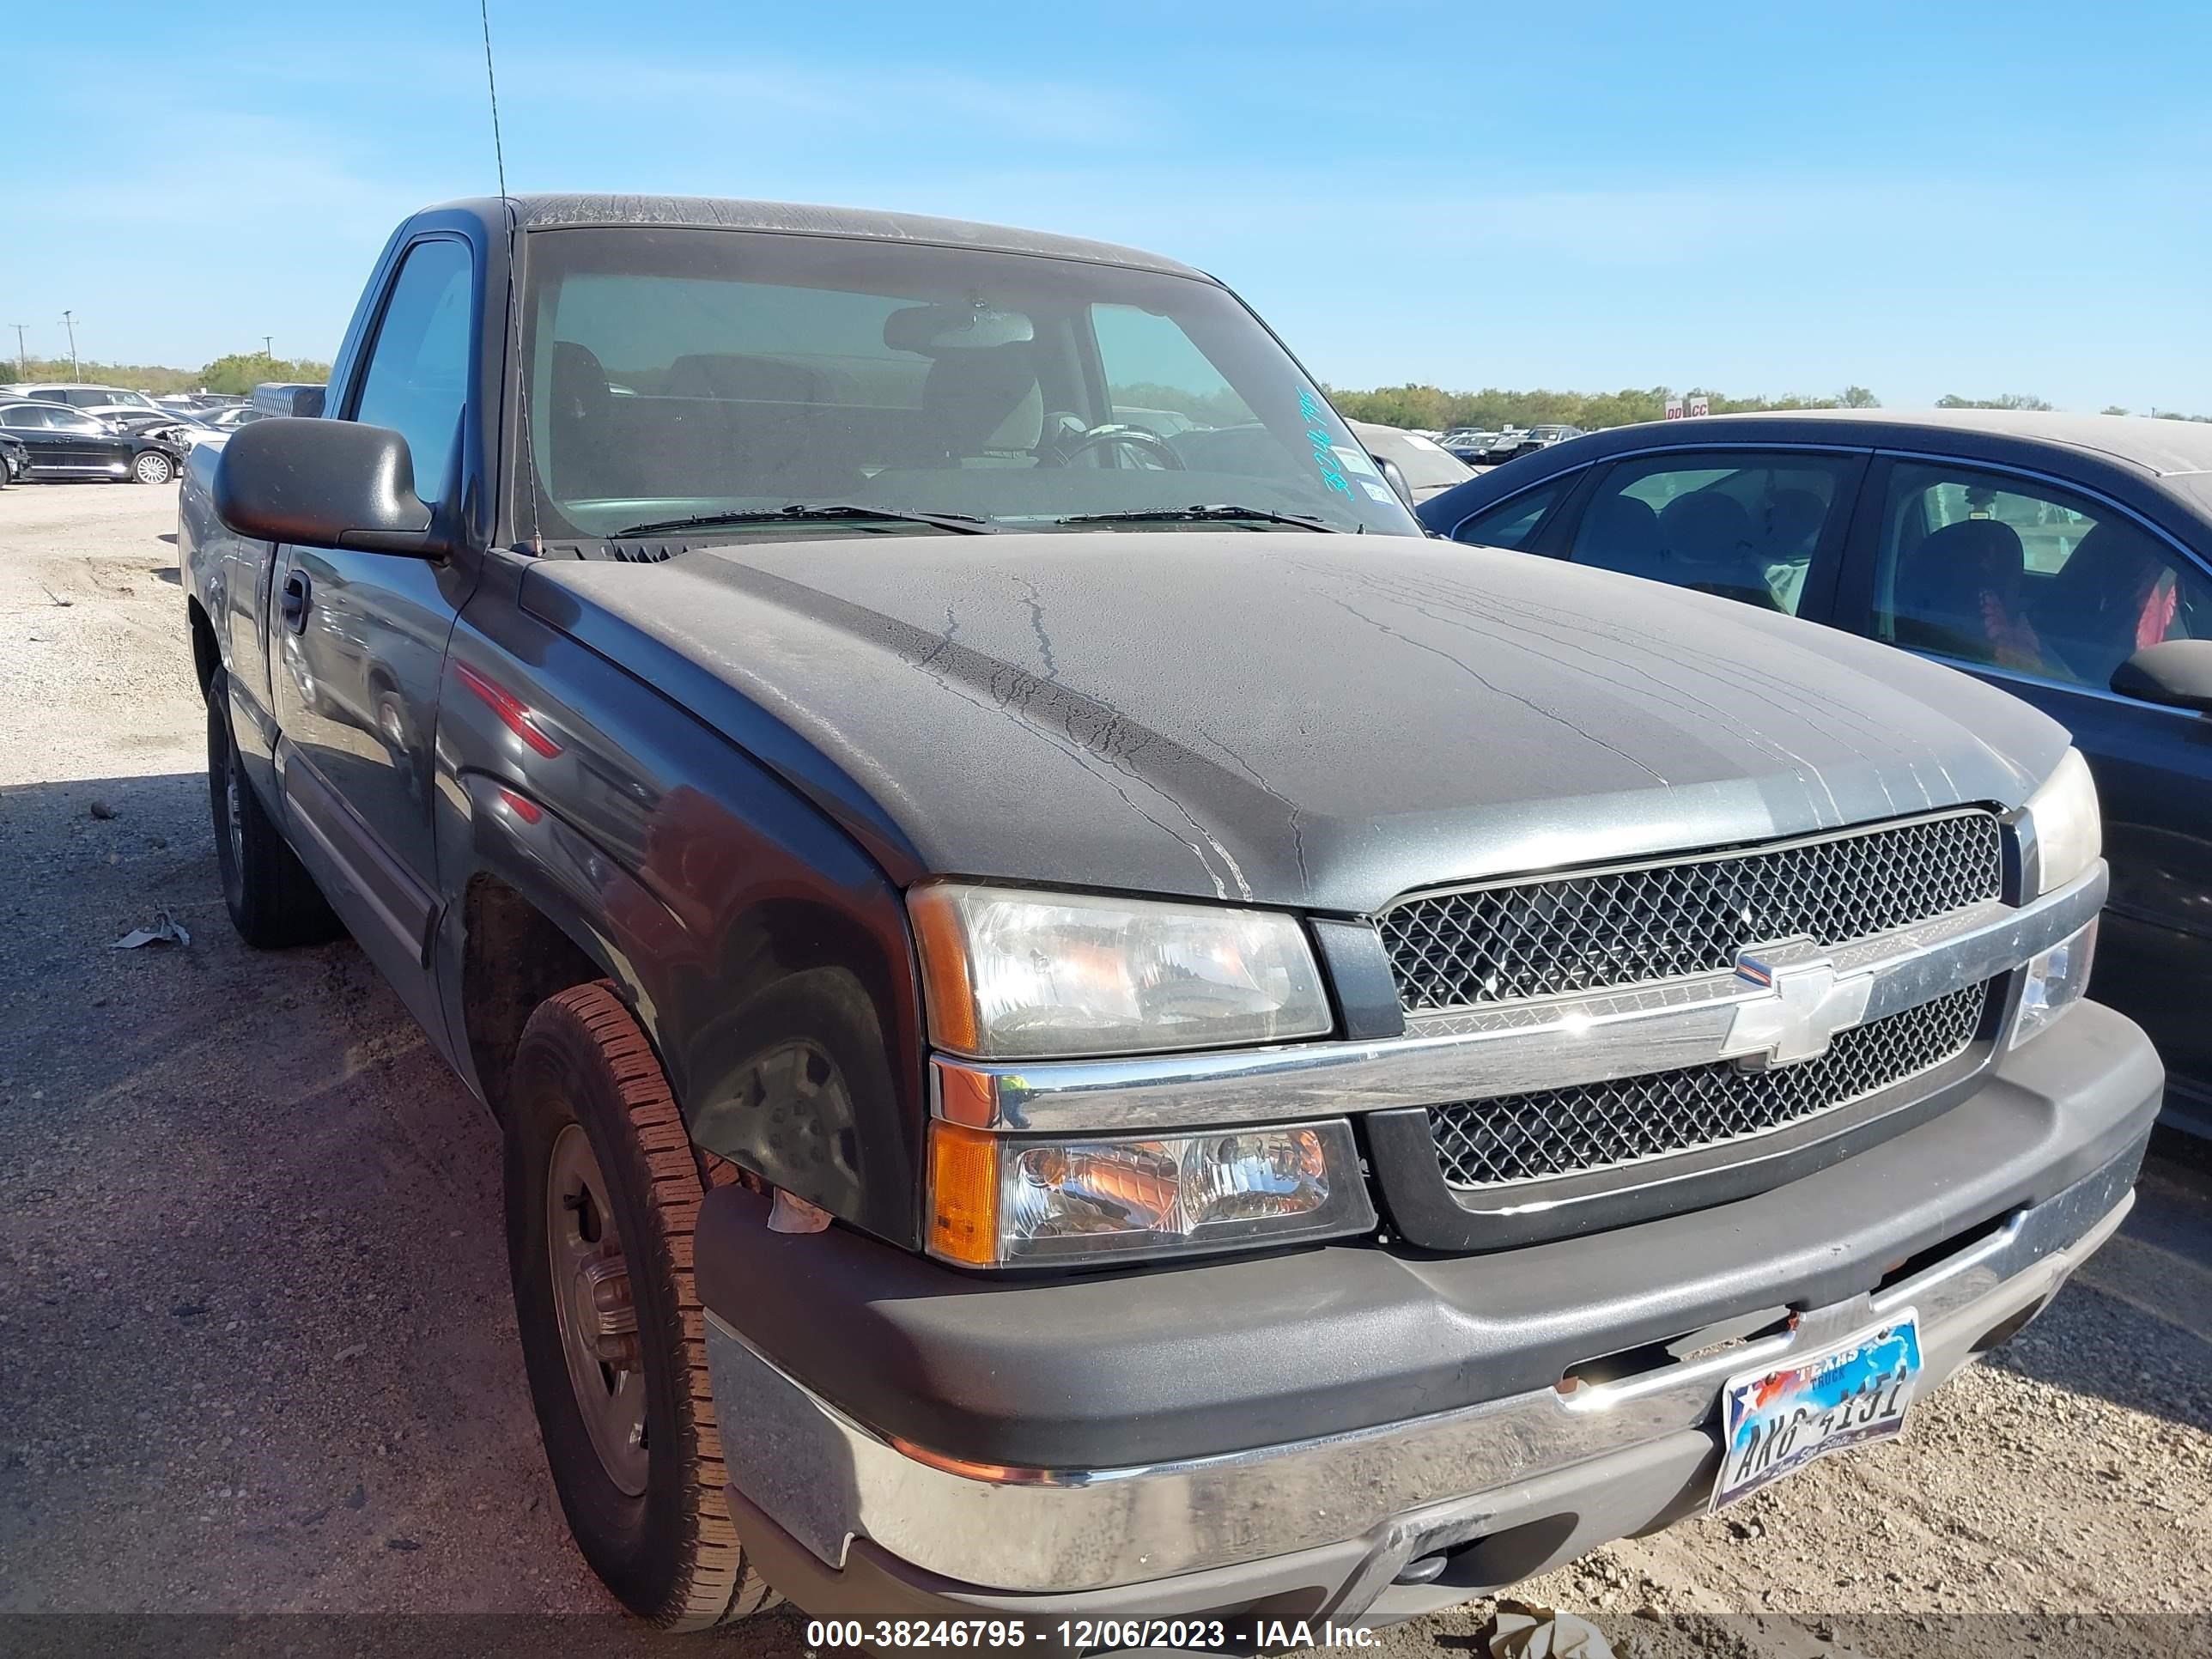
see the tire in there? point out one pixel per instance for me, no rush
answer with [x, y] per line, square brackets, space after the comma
[600, 1170]
[151, 467]
[272, 900]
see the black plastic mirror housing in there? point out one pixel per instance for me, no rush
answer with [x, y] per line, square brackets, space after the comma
[324, 483]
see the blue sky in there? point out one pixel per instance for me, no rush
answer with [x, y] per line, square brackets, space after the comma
[1922, 199]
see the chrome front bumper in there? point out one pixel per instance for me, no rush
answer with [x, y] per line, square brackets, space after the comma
[1392, 1492]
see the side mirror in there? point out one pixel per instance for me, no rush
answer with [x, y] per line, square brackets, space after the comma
[2178, 674]
[1395, 477]
[324, 483]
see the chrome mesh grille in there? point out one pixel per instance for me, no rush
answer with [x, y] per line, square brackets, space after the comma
[1659, 922]
[1597, 1126]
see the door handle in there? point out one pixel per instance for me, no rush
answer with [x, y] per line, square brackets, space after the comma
[292, 600]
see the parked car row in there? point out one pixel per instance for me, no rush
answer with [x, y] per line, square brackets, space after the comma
[55, 443]
[77, 432]
[1480, 446]
[2067, 560]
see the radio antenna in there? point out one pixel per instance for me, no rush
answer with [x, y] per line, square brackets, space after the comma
[514, 302]
[491, 82]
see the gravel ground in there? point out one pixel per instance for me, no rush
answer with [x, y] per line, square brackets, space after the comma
[256, 1349]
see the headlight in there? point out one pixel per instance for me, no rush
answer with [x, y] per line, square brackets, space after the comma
[996, 1199]
[1012, 975]
[2069, 837]
[2054, 981]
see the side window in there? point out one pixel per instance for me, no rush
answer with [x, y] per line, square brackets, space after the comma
[2015, 574]
[1512, 522]
[25, 419]
[417, 375]
[1742, 525]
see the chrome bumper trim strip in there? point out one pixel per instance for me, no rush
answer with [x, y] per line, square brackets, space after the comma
[825, 1479]
[1513, 1047]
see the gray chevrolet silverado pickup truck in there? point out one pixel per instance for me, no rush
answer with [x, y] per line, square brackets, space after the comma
[1091, 1032]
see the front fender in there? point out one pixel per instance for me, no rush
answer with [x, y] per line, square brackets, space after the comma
[698, 882]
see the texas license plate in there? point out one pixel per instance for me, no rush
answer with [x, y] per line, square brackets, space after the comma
[1774, 1423]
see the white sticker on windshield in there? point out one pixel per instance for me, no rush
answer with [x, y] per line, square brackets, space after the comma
[1375, 490]
[1355, 460]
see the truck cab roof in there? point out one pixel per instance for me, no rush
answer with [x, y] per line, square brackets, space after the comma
[560, 210]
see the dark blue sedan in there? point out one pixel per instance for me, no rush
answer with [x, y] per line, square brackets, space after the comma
[2066, 558]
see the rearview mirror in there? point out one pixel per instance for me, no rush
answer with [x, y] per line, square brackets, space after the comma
[2178, 674]
[324, 483]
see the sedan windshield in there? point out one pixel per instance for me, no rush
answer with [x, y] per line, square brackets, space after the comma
[699, 376]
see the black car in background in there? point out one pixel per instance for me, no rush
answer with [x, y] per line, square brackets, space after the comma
[2067, 559]
[1469, 446]
[61, 445]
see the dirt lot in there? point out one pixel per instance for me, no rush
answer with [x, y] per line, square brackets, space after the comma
[256, 1354]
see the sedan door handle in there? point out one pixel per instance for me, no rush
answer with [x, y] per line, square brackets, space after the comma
[293, 600]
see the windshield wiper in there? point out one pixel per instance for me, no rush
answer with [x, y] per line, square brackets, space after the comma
[957, 523]
[1218, 513]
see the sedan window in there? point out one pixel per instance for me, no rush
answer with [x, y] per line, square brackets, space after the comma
[1744, 527]
[24, 419]
[2015, 574]
[1511, 523]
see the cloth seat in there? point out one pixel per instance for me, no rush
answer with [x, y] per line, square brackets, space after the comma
[1961, 592]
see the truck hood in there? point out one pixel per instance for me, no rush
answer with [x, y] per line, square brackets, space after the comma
[1314, 720]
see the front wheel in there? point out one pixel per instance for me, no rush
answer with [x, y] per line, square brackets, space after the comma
[602, 1197]
[153, 467]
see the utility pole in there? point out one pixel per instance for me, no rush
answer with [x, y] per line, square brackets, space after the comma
[68, 319]
[266, 351]
[22, 361]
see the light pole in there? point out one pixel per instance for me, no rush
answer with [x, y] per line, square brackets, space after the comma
[22, 361]
[267, 350]
[69, 321]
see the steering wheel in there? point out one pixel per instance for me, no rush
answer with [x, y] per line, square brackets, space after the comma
[1136, 437]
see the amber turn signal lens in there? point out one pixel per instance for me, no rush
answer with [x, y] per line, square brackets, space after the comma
[963, 1195]
[941, 937]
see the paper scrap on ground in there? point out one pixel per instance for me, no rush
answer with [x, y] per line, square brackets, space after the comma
[163, 930]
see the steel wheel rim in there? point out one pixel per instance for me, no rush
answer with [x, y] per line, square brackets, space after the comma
[233, 815]
[591, 1298]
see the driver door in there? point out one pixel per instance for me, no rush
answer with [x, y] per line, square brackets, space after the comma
[358, 638]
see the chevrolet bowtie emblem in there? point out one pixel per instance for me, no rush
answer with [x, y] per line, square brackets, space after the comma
[1807, 1003]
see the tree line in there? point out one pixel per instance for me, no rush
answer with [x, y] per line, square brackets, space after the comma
[1430, 408]
[236, 374]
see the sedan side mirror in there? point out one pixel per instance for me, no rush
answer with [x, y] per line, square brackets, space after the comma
[324, 483]
[2178, 674]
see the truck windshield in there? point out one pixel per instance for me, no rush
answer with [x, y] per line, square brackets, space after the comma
[674, 375]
